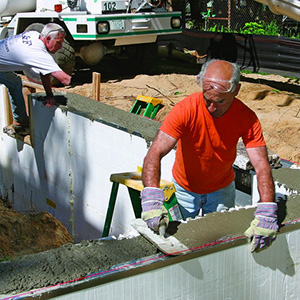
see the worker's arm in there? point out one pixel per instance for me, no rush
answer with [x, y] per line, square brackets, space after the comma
[264, 228]
[152, 197]
[259, 159]
[162, 145]
[46, 80]
[63, 77]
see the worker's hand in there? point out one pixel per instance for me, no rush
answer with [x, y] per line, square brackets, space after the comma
[153, 211]
[263, 229]
[49, 101]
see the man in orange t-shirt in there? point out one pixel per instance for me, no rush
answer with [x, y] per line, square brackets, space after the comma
[206, 127]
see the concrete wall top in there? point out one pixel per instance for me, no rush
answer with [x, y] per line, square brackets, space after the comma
[97, 111]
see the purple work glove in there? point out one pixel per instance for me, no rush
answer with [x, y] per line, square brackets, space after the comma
[153, 211]
[263, 229]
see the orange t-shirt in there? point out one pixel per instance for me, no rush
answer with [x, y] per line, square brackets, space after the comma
[206, 147]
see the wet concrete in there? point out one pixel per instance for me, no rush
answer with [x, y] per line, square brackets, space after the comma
[69, 262]
[290, 178]
[229, 225]
[212, 228]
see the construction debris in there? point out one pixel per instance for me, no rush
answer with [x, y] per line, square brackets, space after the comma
[243, 162]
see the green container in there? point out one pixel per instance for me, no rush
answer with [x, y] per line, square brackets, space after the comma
[173, 208]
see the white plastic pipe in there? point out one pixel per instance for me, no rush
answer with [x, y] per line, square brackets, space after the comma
[11, 7]
[289, 8]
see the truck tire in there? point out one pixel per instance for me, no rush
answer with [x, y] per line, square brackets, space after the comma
[65, 58]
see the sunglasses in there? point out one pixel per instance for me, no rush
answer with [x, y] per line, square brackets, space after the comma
[220, 86]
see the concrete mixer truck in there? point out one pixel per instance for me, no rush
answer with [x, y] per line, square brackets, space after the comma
[94, 28]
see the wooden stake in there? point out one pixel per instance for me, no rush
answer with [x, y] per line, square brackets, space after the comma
[7, 109]
[96, 85]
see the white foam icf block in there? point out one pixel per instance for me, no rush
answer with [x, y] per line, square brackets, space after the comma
[70, 164]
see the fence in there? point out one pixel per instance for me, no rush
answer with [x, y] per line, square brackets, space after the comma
[233, 15]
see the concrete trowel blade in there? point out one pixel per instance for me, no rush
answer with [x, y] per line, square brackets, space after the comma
[168, 245]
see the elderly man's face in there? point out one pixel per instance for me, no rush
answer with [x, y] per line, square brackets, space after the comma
[217, 92]
[53, 45]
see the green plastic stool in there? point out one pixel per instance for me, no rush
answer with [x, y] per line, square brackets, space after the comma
[146, 106]
[133, 181]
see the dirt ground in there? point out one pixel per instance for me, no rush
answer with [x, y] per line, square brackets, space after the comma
[22, 234]
[275, 99]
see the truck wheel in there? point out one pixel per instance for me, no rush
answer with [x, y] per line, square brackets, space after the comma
[65, 58]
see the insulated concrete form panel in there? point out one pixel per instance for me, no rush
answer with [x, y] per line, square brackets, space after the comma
[77, 147]
[16, 170]
[218, 264]
[223, 272]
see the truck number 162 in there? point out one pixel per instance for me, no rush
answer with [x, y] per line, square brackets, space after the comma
[109, 5]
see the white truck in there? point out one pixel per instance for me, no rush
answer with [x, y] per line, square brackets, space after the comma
[94, 27]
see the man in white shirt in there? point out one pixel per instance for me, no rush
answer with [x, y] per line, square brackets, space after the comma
[31, 51]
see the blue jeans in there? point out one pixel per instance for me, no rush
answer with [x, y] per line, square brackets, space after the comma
[13, 82]
[190, 203]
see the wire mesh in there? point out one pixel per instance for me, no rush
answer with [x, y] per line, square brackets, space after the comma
[235, 15]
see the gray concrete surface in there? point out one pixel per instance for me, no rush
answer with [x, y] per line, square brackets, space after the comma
[69, 262]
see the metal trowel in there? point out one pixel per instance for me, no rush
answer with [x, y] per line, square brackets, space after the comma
[164, 242]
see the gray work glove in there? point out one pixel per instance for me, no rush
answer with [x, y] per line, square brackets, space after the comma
[153, 211]
[263, 229]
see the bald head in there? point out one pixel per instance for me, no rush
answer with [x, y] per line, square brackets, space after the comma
[220, 70]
